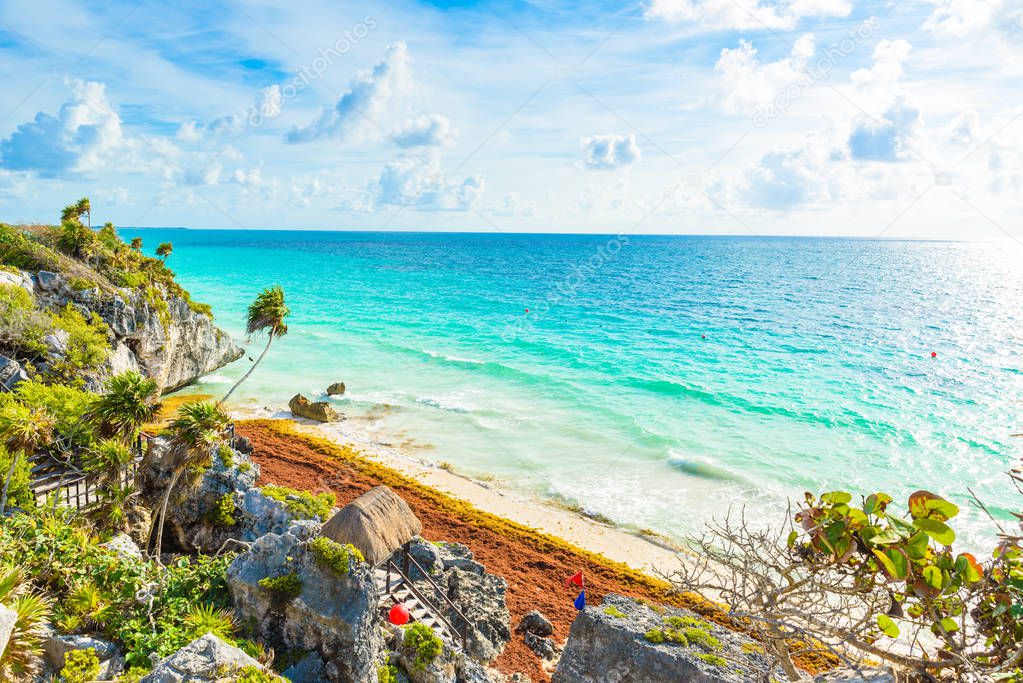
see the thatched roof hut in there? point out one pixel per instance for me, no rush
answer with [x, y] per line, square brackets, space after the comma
[377, 523]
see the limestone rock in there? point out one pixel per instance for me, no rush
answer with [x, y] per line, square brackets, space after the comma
[19, 279]
[50, 282]
[481, 598]
[607, 645]
[11, 373]
[320, 411]
[124, 546]
[544, 648]
[333, 615]
[56, 647]
[336, 389]
[309, 669]
[7, 619]
[243, 445]
[865, 675]
[205, 659]
[458, 556]
[536, 623]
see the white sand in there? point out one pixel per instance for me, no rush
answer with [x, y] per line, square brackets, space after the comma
[639, 552]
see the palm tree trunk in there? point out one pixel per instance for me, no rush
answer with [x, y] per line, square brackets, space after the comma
[162, 515]
[246, 375]
[7, 481]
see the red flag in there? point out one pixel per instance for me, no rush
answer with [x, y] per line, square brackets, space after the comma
[576, 579]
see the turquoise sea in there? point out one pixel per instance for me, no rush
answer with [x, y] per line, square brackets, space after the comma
[656, 381]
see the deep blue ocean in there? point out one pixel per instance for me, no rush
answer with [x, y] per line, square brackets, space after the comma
[654, 380]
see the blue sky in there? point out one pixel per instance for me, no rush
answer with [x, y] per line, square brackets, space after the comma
[807, 117]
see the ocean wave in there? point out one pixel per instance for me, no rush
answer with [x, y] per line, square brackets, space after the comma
[444, 403]
[453, 359]
[699, 467]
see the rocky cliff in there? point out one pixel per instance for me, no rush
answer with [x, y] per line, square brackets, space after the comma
[162, 337]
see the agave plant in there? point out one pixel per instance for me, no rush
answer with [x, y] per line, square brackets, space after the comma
[206, 618]
[195, 434]
[266, 314]
[20, 659]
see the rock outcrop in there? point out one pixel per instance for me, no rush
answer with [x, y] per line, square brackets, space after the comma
[162, 338]
[624, 641]
[8, 617]
[321, 411]
[336, 389]
[205, 660]
[333, 614]
[56, 647]
[11, 373]
[864, 675]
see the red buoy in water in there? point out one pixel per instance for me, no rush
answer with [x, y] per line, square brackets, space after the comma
[527, 310]
[398, 615]
[934, 354]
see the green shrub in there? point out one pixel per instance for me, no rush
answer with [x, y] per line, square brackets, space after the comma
[426, 644]
[226, 456]
[80, 666]
[22, 326]
[655, 636]
[302, 504]
[255, 674]
[80, 284]
[387, 673]
[333, 555]
[285, 586]
[67, 406]
[87, 344]
[223, 513]
[19, 494]
[613, 611]
[197, 307]
[714, 660]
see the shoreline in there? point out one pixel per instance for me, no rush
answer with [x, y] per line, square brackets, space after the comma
[647, 554]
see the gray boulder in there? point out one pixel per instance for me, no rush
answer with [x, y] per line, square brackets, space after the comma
[124, 546]
[11, 373]
[336, 389]
[56, 647]
[481, 598]
[333, 615]
[536, 623]
[7, 619]
[309, 669]
[205, 659]
[50, 282]
[458, 556]
[865, 675]
[18, 279]
[608, 644]
[320, 411]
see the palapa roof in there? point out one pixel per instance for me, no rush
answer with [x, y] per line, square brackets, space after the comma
[377, 523]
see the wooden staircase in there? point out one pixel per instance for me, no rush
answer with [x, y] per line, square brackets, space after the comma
[395, 587]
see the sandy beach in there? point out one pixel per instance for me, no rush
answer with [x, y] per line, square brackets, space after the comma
[640, 552]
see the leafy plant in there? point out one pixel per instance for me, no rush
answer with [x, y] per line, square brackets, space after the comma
[335, 556]
[80, 666]
[129, 401]
[285, 586]
[22, 430]
[302, 504]
[223, 512]
[426, 644]
[207, 618]
[21, 656]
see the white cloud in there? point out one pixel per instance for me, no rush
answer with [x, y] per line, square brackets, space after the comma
[959, 18]
[610, 151]
[368, 97]
[512, 205]
[426, 131]
[747, 82]
[744, 14]
[84, 135]
[423, 185]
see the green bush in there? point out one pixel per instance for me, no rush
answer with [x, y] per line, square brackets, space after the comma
[286, 586]
[333, 555]
[302, 504]
[223, 513]
[426, 644]
[80, 666]
[22, 326]
[19, 494]
[87, 343]
[67, 406]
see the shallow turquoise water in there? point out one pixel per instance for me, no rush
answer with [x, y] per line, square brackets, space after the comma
[654, 380]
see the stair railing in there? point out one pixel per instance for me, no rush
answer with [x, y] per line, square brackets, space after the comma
[404, 572]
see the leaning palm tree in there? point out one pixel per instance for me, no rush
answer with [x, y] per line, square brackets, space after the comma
[130, 401]
[23, 430]
[195, 434]
[266, 314]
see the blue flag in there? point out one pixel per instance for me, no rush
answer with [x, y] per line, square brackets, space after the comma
[580, 602]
